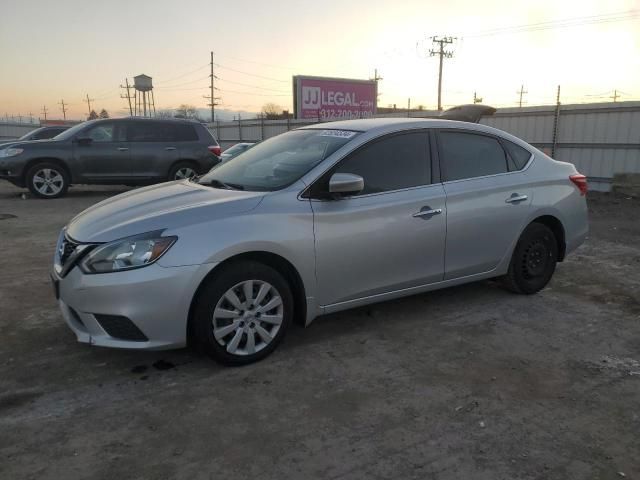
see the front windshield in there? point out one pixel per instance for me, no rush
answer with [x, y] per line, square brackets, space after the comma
[67, 134]
[279, 161]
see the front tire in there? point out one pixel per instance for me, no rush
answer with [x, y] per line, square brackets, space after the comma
[242, 313]
[47, 180]
[533, 261]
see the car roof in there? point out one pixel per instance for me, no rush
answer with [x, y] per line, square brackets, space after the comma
[376, 126]
[188, 121]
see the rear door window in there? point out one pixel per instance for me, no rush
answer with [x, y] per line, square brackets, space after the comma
[147, 132]
[469, 155]
[106, 132]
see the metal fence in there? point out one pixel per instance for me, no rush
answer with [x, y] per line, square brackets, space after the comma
[601, 139]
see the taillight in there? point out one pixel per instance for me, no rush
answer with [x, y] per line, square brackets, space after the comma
[215, 149]
[580, 181]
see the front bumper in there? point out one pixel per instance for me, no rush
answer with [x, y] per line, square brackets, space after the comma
[155, 299]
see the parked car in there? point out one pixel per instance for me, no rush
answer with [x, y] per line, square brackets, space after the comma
[313, 221]
[42, 133]
[235, 150]
[131, 151]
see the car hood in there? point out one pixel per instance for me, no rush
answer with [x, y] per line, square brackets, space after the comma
[23, 143]
[158, 207]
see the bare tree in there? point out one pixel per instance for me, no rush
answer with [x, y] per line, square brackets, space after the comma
[166, 113]
[272, 111]
[103, 114]
[186, 111]
[92, 115]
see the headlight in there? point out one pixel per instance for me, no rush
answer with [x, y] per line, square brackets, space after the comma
[10, 152]
[126, 254]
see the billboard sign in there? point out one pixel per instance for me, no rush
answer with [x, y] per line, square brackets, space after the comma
[334, 98]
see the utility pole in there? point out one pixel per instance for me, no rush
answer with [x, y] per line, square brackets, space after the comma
[44, 112]
[127, 96]
[212, 98]
[89, 100]
[476, 99]
[376, 78]
[442, 53]
[64, 109]
[521, 93]
[556, 121]
[615, 96]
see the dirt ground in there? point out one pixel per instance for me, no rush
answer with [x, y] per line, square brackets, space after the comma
[471, 382]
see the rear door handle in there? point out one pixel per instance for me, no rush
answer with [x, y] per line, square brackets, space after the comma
[515, 198]
[123, 149]
[170, 148]
[427, 213]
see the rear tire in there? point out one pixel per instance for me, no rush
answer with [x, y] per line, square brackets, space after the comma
[242, 313]
[182, 171]
[533, 261]
[47, 180]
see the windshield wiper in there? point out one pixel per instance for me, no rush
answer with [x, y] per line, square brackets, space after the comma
[215, 183]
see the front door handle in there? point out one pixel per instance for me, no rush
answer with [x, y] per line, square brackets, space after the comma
[169, 149]
[123, 149]
[515, 198]
[427, 212]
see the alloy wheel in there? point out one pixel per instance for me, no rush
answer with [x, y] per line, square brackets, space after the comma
[184, 172]
[248, 317]
[48, 182]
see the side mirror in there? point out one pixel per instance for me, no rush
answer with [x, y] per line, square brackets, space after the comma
[84, 140]
[346, 184]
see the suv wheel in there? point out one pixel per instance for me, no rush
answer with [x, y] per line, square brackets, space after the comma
[533, 261]
[47, 180]
[242, 313]
[182, 170]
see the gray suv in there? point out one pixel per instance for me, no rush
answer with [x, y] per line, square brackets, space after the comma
[129, 151]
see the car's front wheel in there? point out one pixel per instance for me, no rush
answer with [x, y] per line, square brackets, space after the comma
[242, 313]
[533, 261]
[47, 180]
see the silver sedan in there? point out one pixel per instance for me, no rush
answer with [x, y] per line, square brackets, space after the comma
[316, 220]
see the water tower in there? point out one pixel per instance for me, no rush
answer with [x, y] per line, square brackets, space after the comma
[145, 104]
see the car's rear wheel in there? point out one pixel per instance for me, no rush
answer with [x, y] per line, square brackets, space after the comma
[242, 313]
[533, 261]
[47, 180]
[182, 170]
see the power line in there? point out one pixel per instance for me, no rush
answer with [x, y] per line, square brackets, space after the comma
[251, 74]
[442, 53]
[224, 90]
[212, 98]
[568, 22]
[44, 112]
[282, 67]
[201, 67]
[190, 82]
[249, 85]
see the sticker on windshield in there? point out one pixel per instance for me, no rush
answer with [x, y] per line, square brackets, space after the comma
[337, 133]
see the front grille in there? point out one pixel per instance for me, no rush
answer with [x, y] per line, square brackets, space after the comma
[121, 328]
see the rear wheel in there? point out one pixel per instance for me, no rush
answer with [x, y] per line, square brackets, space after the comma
[242, 314]
[182, 170]
[533, 261]
[47, 180]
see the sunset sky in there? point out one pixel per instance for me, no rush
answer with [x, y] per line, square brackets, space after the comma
[67, 49]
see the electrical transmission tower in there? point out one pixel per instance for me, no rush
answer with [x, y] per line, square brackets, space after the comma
[211, 97]
[442, 53]
[521, 92]
[64, 109]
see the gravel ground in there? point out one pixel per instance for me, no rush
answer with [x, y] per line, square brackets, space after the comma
[470, 382]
